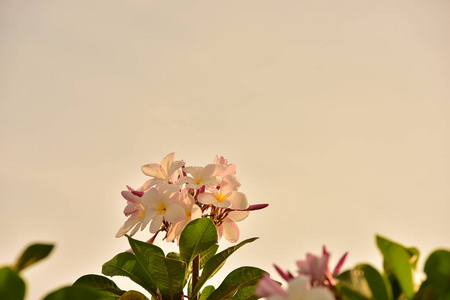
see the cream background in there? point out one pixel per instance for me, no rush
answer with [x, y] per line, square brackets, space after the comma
[335, 113]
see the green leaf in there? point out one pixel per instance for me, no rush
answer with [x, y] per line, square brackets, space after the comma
[197, 236]
[133, 295]
[399, 263]
[437, 268]
[106, 286]
[74, 293]
[247, 293]
[215, 263]
[236, 280]
[33, 254]
[206, 292]
[351, 294]
[169, 274]
[365, 281]
[126, 264]
[207, 254]
[12, 286]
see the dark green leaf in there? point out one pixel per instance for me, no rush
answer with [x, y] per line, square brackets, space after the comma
[33, 254]
[365, 281]
[399, 263]
[206, 292]
[197, 236]
[12, 286]
[74, 293]
[133, 295]
[216, 262]
[437, 269]
[350, 294]
[126, 264]
[169, 274]
[247, 293]
[106, 286]
[236, 280]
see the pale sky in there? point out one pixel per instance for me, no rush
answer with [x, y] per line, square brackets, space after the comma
[335, 112]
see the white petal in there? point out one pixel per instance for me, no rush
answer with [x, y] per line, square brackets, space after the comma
[210, 171]
[166, 162]
[196, 212]
[299, 287]
[175, 166]
[230, 230]
[238, 200]
[238, 215]
[174, 213]
[224, 204]
[319, 293]
[195, 171]
[148, 184]
[156, 223]
[153, 170]
[207, 198]
[152, 198]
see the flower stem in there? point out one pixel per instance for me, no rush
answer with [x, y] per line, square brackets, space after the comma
[195, 274]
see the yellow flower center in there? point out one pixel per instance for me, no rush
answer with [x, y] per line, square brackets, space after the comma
[161, 208]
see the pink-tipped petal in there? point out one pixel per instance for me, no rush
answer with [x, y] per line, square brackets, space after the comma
[230, 230]
[267, 287]
[339, 265]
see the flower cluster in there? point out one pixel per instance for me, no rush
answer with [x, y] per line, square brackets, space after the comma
[314, 281]
[177, 194]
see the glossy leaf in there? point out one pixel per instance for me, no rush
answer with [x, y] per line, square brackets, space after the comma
[365, 281]
[206, 292]
[12, 286]
[236, 280]
[75, 293]
[33, 254]
[399, 263]
[133, 295]
[198, 236]
[169, 274]
[126, 264]
[216, 262]
[106, 286]
[247, 293]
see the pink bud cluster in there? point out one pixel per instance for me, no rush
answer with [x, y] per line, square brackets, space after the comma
[314, 280]
[177, 194]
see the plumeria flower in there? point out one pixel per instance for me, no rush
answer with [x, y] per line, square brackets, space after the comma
[229, 169]
[135, 210]
[167, 171]
[225, 196]
[161, 205]
[192, 212]
[317, 268]
[228, 228]
[299, 289]
[206, 176]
